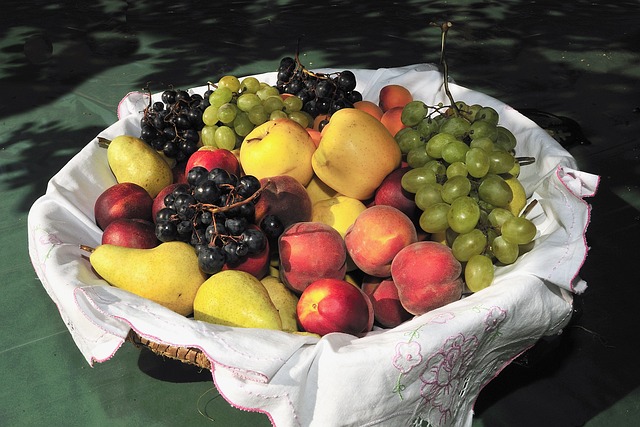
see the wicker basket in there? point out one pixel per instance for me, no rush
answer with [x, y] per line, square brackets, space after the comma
[191, 356]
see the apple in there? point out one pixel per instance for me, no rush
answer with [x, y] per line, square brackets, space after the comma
[122, 200]
[334, 305]
[131, 233]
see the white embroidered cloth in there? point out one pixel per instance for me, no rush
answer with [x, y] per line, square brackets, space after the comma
[428, 370]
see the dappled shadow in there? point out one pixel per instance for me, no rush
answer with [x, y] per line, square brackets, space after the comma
[577, 59]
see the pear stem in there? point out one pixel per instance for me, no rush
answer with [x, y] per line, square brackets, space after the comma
[528, 208]
[523, 161]
[87, 248]
[103, 142]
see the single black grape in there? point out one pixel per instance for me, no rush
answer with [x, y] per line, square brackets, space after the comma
[254, 239]
[346, 81]
[247, 186]
[169, 96]
[211, 259]
[272, 226]
[165, 214]
[236, 225]
[207, 192]
[166, 231]
[196, 175]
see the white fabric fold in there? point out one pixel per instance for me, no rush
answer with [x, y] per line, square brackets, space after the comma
[428, 370]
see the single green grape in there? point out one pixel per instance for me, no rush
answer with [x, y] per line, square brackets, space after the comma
[227, 113]
[483, 129]
[278, 114]
[518, 230]
[258, 115]
[250, 85]
[485, 143]
[504, 251]
[478, 273]
[477, 161]
[488, 114]
[455, 151]
[417, 157]
[292, 103]
[242, 125]
[413, 113]
[498, 216]
[210, 116]
[231, 82]
[457, 169]
[468, 244]
[470, 111]
[434, 218]
[220, 96]
[246, 101]
[494, 190]
[455, 187]
[299, 117]
[273, 103]
[456, 126]
[500, 161]
[266, 91]
[428, 127]
[428, 195]
[207, 135]
[407, 139]
[437, 167]
[413, 179]
[463, 215]
[436, 144]
[225, 137]
[506, 139]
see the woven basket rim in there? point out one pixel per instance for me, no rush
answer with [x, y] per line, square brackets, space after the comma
[189, 355]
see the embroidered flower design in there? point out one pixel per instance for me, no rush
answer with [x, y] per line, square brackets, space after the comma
[494, 318]
[407, 356]
[444, 371]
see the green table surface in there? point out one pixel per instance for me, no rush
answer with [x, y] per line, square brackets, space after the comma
[64, 66]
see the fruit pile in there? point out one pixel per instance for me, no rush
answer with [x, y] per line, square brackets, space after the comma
[390, 210]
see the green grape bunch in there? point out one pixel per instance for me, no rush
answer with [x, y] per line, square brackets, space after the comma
[463, 175]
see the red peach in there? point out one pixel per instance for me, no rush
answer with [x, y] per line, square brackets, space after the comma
[391, 193]
[122, 200]
[310, 251]
[285, 198]
[427, 276]
[131, 233]
[392, 120]
[212, 157]
[387, 309]
[393, 95]
[334, 305]
[376, 236]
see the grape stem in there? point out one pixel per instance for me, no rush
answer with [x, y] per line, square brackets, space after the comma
[216, 209]
[444, 28]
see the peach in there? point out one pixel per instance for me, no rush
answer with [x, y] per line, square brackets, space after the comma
[369, 107]
[387, 308]
[391, 193]
[394, 95]
[316, 135]
[131, 233]
[427, 276]
[392, 120]
[285, 198]
[334, 305]
[213, 157]
[309, 251]
[122, 200]
[376, 236]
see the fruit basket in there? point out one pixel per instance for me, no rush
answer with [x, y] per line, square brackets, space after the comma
[428, 370]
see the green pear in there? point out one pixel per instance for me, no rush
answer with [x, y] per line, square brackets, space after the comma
[285, 301]
[167, 274]
[236, 298]
[133, 160]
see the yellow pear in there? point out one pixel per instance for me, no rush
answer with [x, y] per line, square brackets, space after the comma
[355, 154]
[133, 160]
[167, 274]
[236, 298]
[278, 147]
[519, 200]
[285, 301]
[339, 212]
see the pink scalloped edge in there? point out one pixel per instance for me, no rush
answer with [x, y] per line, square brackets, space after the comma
[580, 198]
[125, 99]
